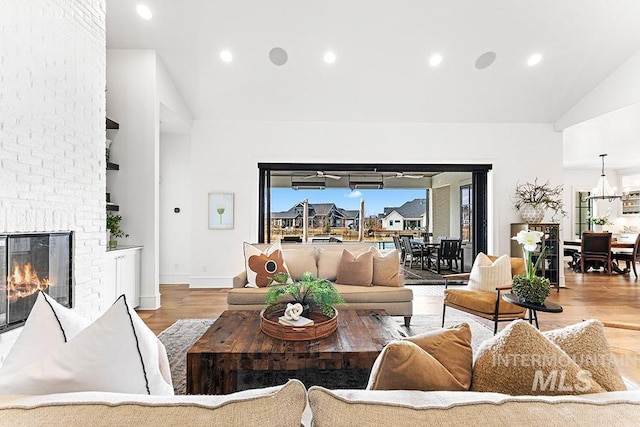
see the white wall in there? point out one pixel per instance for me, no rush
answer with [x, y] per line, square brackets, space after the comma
[132, 101]
[52, 134]
[175, 192]
[225, 154]
[620, 89]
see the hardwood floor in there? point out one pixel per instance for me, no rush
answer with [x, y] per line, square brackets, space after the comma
[611, 299]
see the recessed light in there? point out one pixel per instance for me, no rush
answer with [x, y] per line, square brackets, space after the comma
[144, 11]
[226, 56]
[435, 59]
[329, 57]
[534, 59]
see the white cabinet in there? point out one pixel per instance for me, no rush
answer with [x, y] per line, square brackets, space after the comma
[123, 274]
[631, 202]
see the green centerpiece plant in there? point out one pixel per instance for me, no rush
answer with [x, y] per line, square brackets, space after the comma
[529, 287]
[313, 294]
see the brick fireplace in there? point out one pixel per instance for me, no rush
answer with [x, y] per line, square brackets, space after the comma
[30, 263]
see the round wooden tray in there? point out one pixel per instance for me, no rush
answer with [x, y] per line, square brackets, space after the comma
[323, 326]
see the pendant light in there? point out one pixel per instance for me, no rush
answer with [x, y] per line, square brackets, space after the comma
[602, 190]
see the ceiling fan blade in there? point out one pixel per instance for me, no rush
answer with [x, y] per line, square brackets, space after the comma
[413, 176]
[331, 176]
[311, 176]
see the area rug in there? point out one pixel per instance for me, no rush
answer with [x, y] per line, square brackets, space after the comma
[180, 336]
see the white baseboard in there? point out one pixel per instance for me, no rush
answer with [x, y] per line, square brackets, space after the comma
[210, 282]
[149, 302]
[174, 279]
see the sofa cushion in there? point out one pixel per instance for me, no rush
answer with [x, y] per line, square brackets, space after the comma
[437, 360]
[262, 265]
[300, 261]
[355, 270]
[487, 275]
[386, 268]
[364, 294]
[347, 408]
[480, 301]
[521, 361]
[282, 406]
[116, 353]
[587, 345]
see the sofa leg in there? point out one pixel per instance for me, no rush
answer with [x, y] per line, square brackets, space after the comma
[407, 321]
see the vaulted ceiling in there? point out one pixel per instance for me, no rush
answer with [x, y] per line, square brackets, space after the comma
[382, 49]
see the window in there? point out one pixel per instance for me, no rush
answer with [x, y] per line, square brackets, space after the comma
[466, 212]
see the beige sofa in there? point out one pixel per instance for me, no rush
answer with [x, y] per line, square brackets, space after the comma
[286, 405]
[322, 260]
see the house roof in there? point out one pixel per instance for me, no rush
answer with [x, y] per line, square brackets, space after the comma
[416, 208]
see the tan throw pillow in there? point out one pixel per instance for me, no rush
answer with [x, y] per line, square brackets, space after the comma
[328, 262]
[452, 347]
[300, 261]
[487, 275]
[386, 268]
[438, 360]
[587, 345]
[521, 361]
[355, 270]
[261, 266]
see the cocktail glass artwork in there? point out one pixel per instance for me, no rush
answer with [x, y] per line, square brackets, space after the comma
[221, 211]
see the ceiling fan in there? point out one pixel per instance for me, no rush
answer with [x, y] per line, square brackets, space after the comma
[404, 175]
[320, 174]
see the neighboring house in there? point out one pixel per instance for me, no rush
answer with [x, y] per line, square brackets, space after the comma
[319, 215]
[410, 216]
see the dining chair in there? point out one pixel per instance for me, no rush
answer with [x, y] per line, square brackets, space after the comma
[411, 252]
[595, 248]
[449, 252]
[631, 258]
[400, 247]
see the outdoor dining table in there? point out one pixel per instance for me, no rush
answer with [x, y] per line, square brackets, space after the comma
[615, 244]
[425, 248]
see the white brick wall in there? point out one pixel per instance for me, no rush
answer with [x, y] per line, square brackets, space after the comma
[52, 132]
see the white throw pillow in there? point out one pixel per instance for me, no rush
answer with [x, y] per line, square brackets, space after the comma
[116, 353]
[48, 326]
[487, 275]
[261, 266]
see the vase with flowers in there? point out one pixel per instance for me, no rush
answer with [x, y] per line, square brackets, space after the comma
[599, 221]
[529, 287]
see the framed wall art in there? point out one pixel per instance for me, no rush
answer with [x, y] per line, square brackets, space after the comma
[221, 211]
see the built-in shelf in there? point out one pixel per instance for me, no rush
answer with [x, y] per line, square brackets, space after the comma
[113, 166]
[112, 208]
[111, 124]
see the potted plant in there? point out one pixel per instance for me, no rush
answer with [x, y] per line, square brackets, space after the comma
[533, 200]
[529, 287]
[313, 294]
[113, 225]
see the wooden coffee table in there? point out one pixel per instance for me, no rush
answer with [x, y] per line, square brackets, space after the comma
[236, 343]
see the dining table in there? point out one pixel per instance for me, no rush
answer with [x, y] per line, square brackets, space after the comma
[426, 246]
[615, 244]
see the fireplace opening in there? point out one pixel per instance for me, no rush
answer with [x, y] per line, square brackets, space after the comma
[30, 263]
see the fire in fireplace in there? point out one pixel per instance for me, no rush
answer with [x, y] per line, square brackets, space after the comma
[30, 263]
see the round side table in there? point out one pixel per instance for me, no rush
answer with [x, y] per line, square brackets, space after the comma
[546, 307]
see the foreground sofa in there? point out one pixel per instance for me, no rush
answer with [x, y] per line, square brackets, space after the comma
[284, 406]
[322, 260]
